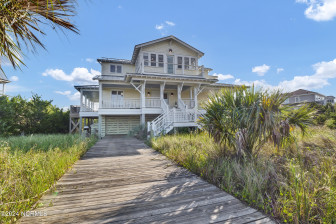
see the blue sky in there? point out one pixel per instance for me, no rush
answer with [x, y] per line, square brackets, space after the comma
[286, 44]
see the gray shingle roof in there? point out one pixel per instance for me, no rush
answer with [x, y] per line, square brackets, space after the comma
[114, 60]
[303, 92]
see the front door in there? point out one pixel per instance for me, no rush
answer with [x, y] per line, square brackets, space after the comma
[166, 99]
[170, 64]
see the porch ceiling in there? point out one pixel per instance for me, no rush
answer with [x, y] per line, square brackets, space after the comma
[171, 78]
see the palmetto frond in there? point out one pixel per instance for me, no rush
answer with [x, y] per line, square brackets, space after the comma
[21, 20]
[245, 119]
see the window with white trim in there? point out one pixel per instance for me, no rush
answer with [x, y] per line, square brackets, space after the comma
[189, 63]
[153, 59]
[160, 58]
[297, 100]
[145, 58]
[116, 68]
[179, 62]
[186, 63]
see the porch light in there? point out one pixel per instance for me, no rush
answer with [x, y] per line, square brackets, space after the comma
[172, 94]
[148, 93]
[170, 51]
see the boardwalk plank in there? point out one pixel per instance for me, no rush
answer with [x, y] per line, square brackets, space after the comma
[121, 180]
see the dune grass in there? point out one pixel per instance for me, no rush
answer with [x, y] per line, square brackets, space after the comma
[296, 184]
[30, 165]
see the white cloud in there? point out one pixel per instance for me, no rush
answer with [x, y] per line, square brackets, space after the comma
[13, 88]
[75, 96]
[159, 27]
[169, 23]
[257, 83]
[72, 97]
[280, 70]
[77, 76]
[323, 72]
[163, 27]
[90, 60]
[261, 70]
[64, 93]
[222, 77]
[14, 78]
[65, 108]
[320, 10]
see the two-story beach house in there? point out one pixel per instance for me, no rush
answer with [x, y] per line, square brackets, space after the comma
[162, 86]
[302, 96]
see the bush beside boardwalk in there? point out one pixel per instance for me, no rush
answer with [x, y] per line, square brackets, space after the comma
[295, 184]
[32, 164]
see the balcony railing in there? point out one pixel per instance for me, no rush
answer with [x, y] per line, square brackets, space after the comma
[152, 102]
[169, 68]
[93, 108]
[189, 102]
[122, 104]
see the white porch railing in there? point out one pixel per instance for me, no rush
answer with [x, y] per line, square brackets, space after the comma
[171, 118]
[153, 102]
[181, 104]
[122, 104]
[189, 102]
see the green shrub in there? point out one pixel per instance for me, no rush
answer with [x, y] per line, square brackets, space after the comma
[31, 165]
[331, 123]
[296, 184]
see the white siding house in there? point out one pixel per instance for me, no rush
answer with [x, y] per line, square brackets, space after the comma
[162, 86]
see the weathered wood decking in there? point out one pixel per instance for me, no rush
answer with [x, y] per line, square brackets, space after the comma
[121, 180]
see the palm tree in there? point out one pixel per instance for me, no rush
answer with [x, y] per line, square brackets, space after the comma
[245, 119]
[20, 20]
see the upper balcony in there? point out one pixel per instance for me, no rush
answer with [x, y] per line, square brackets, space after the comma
[170, 64]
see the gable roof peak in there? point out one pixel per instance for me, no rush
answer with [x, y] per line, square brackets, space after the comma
[170, 37]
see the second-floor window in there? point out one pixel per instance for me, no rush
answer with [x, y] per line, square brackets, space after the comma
[115, 69]
[179, 62]
[153, 59]
[189, 63]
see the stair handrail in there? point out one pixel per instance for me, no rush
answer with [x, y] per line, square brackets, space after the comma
[181, 104]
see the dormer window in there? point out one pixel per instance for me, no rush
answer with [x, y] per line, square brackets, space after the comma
[186, 63]
[153, 60]
[145, 58]
[115, 68]
[189, 63]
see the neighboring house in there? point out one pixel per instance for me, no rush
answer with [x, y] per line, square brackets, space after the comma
[305, 96]
[329, 99]
[3, 81]
[162, 86]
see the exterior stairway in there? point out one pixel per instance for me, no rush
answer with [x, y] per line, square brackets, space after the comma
[172, 118]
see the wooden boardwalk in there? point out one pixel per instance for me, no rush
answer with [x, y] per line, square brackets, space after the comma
[121, 180]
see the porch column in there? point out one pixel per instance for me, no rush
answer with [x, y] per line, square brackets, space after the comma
[100, 95]
[162, 85]
[80, 125]
[99, 125]
[195, 97]
[179, 90]
[143, 103]
[81, 99]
